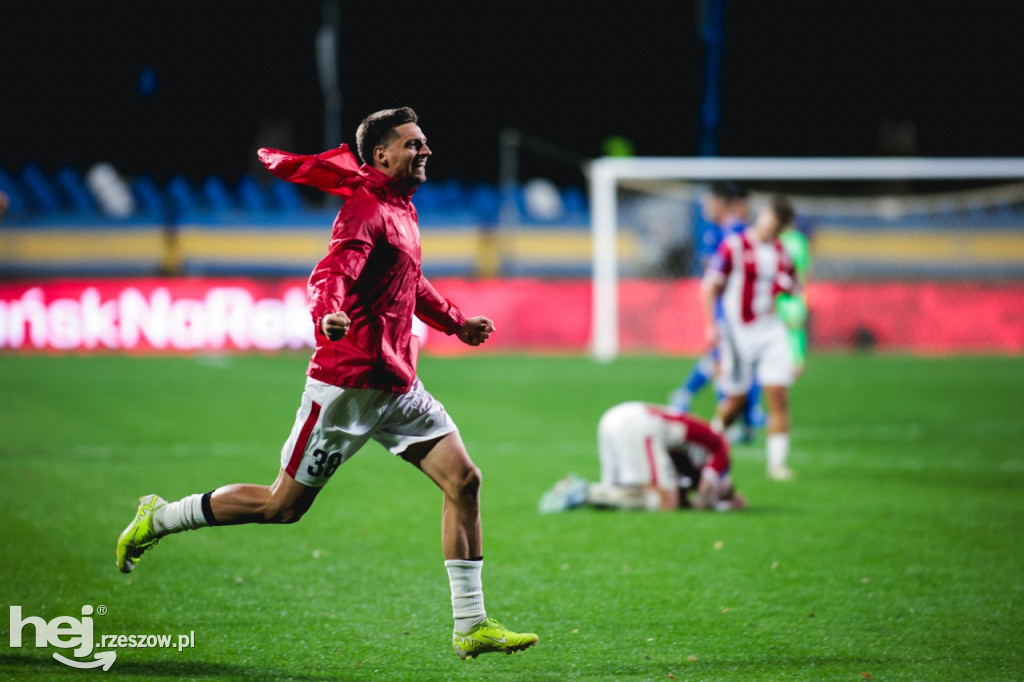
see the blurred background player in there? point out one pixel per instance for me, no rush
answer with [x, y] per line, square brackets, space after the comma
[743, 280]
[792, 307]
[725, 209]
[652, 458]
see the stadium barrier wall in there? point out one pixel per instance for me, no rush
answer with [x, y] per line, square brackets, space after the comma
[253, 248]
[190, 315]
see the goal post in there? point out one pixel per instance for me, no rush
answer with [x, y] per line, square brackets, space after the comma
[606, 174]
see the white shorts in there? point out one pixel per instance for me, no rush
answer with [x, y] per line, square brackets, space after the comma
[632, 449]
[758, 350]
[333, 423]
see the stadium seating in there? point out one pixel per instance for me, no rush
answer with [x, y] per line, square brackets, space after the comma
[43, 195]
[80, 199]
[149, 200]
[56, 224]
[264, 226]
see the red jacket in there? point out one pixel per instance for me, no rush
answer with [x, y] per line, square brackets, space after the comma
[371, 272]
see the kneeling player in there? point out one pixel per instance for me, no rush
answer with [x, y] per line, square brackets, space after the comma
[652, 458]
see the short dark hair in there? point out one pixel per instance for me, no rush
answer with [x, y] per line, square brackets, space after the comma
[378, 129]
[783, 209]
[727, 191]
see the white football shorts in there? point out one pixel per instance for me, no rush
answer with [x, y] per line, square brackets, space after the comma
[631, 446]
[757, 350]
[333, 423]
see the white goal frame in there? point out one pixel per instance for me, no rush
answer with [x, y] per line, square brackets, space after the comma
[604, 174]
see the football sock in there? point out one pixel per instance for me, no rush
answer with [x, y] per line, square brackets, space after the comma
[187, 513]
[467, 592]
[680, 399]
[615, 496]
[700, 375]
[751, 410]
[778, 449]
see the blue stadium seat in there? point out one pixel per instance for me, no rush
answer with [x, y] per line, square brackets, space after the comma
[79, 197]
[251, 195]
[9, 185]
[450, 195]
[216, 193]
[575, 205]
[445, 202]
[976, 209]
[147, 196]
[39, 189]
[286, 195]
[485, 201]
[427, 198]
[180, 196]
[1006, 212]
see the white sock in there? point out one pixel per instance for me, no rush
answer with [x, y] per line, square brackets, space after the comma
[778, 449]
[185, 514]
[467, 593]
[616, 496]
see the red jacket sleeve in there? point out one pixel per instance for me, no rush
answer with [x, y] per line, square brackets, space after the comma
[335, 171]
[435, 310]
[352, 239]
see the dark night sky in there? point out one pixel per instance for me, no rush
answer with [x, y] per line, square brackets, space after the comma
[801, 78]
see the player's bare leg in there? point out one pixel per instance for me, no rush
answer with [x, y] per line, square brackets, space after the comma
[447, 463]
[777, 439]
[728, 409]
[285, 501]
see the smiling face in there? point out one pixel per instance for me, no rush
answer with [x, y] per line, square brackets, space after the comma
[404, 156]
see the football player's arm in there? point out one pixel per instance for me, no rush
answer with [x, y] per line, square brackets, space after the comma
[715, 484]
[441, 314]
[717, 492]
[708, 490]
[435, 310]
[711, 290]
[786, 281]
[351, 243]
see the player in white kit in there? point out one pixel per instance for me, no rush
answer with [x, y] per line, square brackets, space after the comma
[747, 273]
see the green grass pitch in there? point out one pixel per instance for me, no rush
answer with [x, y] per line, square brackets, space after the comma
[898, 553]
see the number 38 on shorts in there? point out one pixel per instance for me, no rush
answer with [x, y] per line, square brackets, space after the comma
[324, 464]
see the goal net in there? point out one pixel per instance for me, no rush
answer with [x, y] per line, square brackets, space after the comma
[908, 255]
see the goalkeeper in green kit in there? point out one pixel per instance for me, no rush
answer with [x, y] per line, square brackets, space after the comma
[792, 308]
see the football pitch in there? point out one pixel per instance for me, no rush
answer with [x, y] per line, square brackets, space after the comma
[896, 554]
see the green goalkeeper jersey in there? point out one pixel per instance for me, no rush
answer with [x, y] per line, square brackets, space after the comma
[799, 250]
[792, 309]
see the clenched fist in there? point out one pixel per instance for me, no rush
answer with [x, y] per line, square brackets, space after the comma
[476, 330]
[335, 325]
